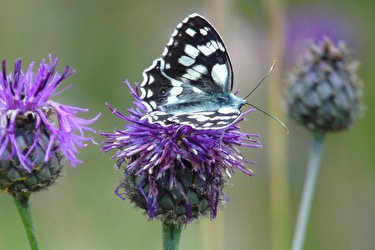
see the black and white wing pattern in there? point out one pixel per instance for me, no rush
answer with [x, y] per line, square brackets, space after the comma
[192, 81]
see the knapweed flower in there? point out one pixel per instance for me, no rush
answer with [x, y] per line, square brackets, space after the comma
[323, 92]
[36, 133]
[175, 173]
[314, 21]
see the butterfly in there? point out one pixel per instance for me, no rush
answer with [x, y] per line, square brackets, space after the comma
[191, 83]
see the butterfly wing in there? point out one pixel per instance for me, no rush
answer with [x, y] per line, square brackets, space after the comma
[196, 55]
[187, 83]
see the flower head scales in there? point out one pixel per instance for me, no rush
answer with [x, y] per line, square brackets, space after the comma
[323, 92]
[176, 173]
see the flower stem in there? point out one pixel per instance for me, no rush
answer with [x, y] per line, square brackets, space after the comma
[279, 194]
[22, 203]
[308, 190]
[171, 236]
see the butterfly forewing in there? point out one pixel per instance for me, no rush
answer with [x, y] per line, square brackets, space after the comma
[191, 83]
[195, 54]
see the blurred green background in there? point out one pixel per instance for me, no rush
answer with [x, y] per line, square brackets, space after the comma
[109, 41]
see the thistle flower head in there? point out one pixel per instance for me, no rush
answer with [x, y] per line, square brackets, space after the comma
[175, 173]
[36, 133]
[323, 92]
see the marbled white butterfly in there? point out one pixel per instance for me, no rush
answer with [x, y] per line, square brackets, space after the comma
[192, 81]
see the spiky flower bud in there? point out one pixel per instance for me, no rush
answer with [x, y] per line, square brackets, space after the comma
[175, 173]
[35, 132]
[187, 199]
[323, 92]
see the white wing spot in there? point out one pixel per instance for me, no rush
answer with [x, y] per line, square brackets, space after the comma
[226, 110]
[205, 50]
[203, 31]
[173, 119]
[149, 93]
[172, 99]
[176, 91]
[213, 44]
[151, 79]
[174, 33]
[208, 124]
[227, 117]
[150, 119]
[220, 73]
[186, 61]
[143, 93]
[190, 32]
[183, 21]
[200, 68]
[202, 118]
[175, 83]
[221, 46]
[180, 24]
[196, 115]
[196, 90]
[191, 74]
[170, 40]
[222, 123]
[153, 104]
[191, 51]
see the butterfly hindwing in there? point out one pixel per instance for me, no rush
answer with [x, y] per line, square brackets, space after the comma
[200, 120]
[191, 83]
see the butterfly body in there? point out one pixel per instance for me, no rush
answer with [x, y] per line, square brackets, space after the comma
[191, 83]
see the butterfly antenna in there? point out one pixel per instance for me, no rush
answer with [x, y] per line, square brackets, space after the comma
[271, 116]
[269, 72]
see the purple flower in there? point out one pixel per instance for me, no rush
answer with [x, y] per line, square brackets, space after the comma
[36, 132]
[175, 173]
[315, 22]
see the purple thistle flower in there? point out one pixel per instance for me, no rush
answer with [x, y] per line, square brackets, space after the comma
[315, 21]
[35, 132]
[175, 173]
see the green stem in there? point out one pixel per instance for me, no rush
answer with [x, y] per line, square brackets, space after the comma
[308, 190]
[171, 236]
[22, 203]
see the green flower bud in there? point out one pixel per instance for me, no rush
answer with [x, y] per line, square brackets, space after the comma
[187, 200]
[323, 92]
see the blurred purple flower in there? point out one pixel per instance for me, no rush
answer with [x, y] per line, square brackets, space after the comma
[314, 22]
[175, 173]
[28, 130]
